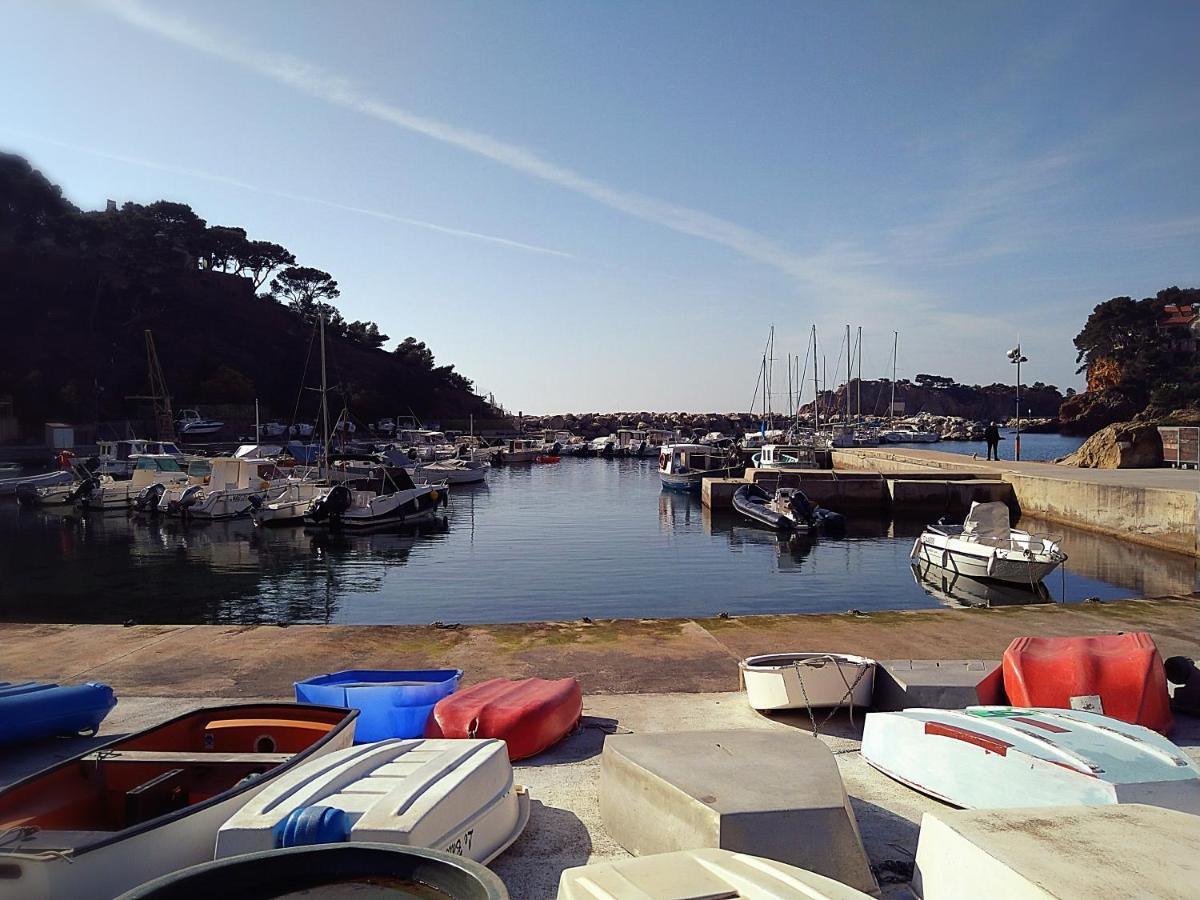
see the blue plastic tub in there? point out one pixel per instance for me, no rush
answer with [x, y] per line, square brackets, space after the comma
[31, 710]
[391, 703]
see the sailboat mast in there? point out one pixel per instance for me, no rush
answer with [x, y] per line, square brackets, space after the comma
[770, 378]
[846, 421]
[324, 399]
[816, 385]
[895, 351]
[858, 386]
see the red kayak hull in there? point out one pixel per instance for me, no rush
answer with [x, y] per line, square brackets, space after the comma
[1124, 671]
[530, 715]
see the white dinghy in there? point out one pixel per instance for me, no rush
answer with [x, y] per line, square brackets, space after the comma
[994, 757]
[802, 680]
[705, 874]
[984, 546]
[452, 795]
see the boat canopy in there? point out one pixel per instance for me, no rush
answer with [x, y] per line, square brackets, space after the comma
[989, 520]
[229, 473]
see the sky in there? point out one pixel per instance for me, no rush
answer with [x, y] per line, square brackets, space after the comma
[593, 206]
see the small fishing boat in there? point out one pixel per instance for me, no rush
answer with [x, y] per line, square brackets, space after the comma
[451, 471]
[102, 494]
[342, 507]
[457, 796]
[992, 757]
[984, 546]
[147, 804]
[706, 874]
[519, 450]
[287, 505]
[530, 715]
[804, 680]
[228, 491]
[31, 710]
[683, 467]
[785, 457]
[788, 509]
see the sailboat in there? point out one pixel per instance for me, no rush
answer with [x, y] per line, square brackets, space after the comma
[903, 434]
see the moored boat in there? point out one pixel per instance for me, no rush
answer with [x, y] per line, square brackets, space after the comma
[451, 471]
[100, 494]
[992, 757]
[683, 467]
[147, 804]
[704, 874]
[519, 450]
[343, 507]
[785, 457]
[788, 509]
[985, 546]
[452, 795]
[803, 680]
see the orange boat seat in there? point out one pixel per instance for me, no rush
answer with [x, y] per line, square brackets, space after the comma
[263, 735]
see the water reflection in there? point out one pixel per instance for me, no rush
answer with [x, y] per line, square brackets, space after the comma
[951, 589]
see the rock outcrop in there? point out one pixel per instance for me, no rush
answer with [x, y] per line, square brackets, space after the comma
[1088, 412]
[1125, 445]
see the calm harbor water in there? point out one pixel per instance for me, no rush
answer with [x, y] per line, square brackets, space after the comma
[1033, 446]
[581, 538]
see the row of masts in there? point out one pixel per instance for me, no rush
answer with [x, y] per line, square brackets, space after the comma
[797, 377]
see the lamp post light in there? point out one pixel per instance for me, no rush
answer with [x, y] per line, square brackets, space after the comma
[1016, 358]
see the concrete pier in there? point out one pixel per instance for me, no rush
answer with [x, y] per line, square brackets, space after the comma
[1156, 507]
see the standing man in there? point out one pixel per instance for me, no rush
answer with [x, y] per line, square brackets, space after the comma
[992, 436]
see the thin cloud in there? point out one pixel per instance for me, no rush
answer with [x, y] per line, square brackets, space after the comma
[303, 198]
[821, 272]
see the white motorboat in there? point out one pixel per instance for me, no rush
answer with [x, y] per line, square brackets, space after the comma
[106, 495]
[192, 424]
[10, 487]
[424, 444]
[452, 795]
[602, 446]
[984, 546]
[520, 450]
[908, 434]
[705, 874]
[992, 757]
[344, 508]
[785, 457]
[807, 680]
[451, 471]
[230, 491]
[287, 505]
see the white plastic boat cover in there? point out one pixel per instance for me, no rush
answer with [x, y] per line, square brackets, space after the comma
[994, 757]
[987, 520]
[699, 875]
[452, 795]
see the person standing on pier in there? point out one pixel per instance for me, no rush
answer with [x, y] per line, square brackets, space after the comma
[992, 435]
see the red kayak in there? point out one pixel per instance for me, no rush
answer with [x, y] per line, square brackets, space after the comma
[1118, 675]
[531, 715]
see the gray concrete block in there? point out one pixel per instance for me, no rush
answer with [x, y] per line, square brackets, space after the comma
[772, 794]
[936, 683]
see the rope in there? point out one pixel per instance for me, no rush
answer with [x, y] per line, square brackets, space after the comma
[849, 695]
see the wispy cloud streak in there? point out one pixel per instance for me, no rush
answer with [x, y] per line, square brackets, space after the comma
[303, 198]
[822, 272]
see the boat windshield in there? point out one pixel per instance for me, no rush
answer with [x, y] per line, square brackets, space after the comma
[158, 464]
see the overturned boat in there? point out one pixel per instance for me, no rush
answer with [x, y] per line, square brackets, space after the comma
[985, 546]
[788, 509]
[807, 680]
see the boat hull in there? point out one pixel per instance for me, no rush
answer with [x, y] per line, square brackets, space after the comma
[979, 564]
[800, 680]
[530, 715]
[691, 481]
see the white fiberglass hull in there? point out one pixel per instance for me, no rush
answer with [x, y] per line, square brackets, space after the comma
[980, 561]
[800, 680]
[519, 456]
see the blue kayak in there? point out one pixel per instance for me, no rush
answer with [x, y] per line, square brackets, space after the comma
[31, 710]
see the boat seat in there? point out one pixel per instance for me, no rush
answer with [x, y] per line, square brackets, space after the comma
[186, 757]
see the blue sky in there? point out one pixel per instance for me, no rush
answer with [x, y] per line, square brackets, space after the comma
[605, 205]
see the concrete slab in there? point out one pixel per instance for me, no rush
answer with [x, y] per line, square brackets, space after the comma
[1059, 852]
[935, 683]
[777, 795]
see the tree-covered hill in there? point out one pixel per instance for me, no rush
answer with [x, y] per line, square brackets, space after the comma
[233, 317]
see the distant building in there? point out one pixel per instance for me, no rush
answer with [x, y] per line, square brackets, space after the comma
[60, 436]
[1180, 326]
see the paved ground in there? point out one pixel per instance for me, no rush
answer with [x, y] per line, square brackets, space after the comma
[565, 829]
[621, 656]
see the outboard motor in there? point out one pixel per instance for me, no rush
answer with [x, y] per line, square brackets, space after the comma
[188, 499]
[149, 498]
[800, 506]
[256, 500]
[83, 492]
[332, 505]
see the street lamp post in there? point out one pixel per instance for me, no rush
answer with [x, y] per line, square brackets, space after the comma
[1015, 357]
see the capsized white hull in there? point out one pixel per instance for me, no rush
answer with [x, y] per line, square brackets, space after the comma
[801, 680]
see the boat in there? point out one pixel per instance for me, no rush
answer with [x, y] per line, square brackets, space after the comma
[984, 546]
[332, 870]
[345, 507]
[807, 680]
[546, 459]
[150, 803]
[392, 703]
[11, 487]
[788, 509]
[530, 714]
[785, 457]
[286, 505]
[519, 450]
[1118, 675]
[908, 434]
[683, 467]
[229, 491]
[30, 710]
[992, 757]
[192, 424]
[631, 442]
[703, 874]
[452, 795]
[99, 495]
[451, 471]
